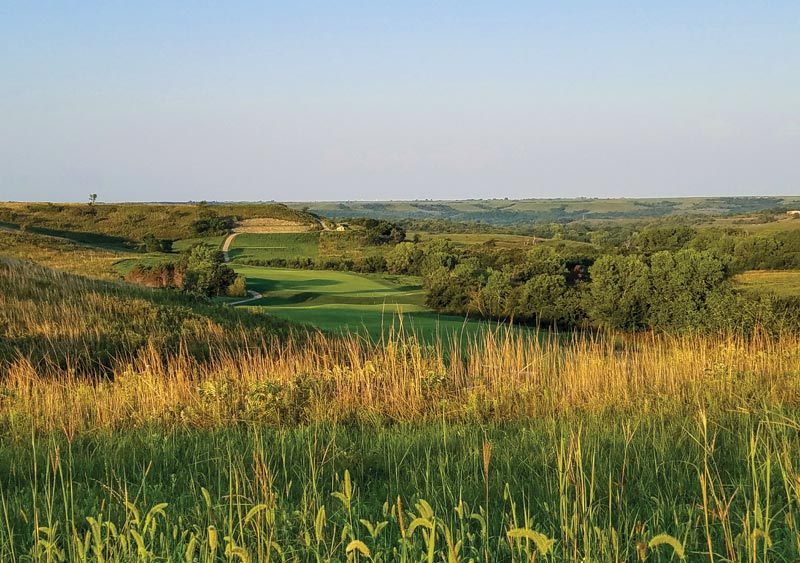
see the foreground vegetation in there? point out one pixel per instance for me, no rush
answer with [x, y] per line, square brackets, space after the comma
[60, 323]
[296, 447]
[715, 489]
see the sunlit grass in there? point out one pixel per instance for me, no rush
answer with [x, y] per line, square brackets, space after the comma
[785, 283]
[138, 425]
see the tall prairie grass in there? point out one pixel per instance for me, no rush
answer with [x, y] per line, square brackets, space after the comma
[84, 354]
[499, 376]
[141, 426]
[722, 489]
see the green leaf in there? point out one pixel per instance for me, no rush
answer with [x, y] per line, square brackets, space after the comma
[662, 539]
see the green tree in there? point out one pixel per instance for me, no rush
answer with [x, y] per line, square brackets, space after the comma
[541, 298]
[405, 258]
[655, 239]
[440, 253]
[496, 297]
[206, 274]
[681, 284]
[150, 243]
[620, 292]
[238, 288]
[542, 260]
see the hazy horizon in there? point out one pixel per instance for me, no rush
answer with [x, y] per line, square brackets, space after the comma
[368, 102]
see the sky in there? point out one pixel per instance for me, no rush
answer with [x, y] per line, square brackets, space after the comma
[351, 100]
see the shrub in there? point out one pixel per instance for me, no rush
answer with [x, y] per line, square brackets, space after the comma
[238, 288]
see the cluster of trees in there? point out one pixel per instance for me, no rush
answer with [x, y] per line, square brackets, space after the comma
[379, 232]
[201, 271]
[367, 265]
[535, 286]
[210, 223]
[738, 249]
[208, 275]
[677, 288]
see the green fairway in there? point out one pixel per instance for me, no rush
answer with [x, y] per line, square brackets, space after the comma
[343, 301]
[271, 246]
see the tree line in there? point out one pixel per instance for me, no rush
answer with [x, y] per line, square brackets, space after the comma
[662, 278]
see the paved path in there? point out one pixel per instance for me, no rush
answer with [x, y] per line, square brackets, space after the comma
[253, 296]
[227, 245]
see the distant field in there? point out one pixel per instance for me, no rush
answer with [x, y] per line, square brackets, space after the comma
[503, 241]
[506, 212]
[274, 246]
[781, 283]
[468, 239]
[346, 302]
[756, 226]
[313, 245]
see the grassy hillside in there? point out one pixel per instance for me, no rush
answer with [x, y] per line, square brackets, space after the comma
[510, 212]
[117, 224]
[55, 323]
[60, 253]
[140, 425]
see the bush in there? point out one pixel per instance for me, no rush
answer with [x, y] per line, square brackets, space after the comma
[210, 223]
[150, 243]
[206, 274]
[238, 288]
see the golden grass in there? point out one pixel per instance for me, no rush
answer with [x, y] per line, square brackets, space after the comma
[81, 354]
[497, 377]
[59, 253]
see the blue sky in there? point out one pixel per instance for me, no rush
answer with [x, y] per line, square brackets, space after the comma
[372, 100]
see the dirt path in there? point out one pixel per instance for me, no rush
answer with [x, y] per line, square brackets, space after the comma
[227, 245]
